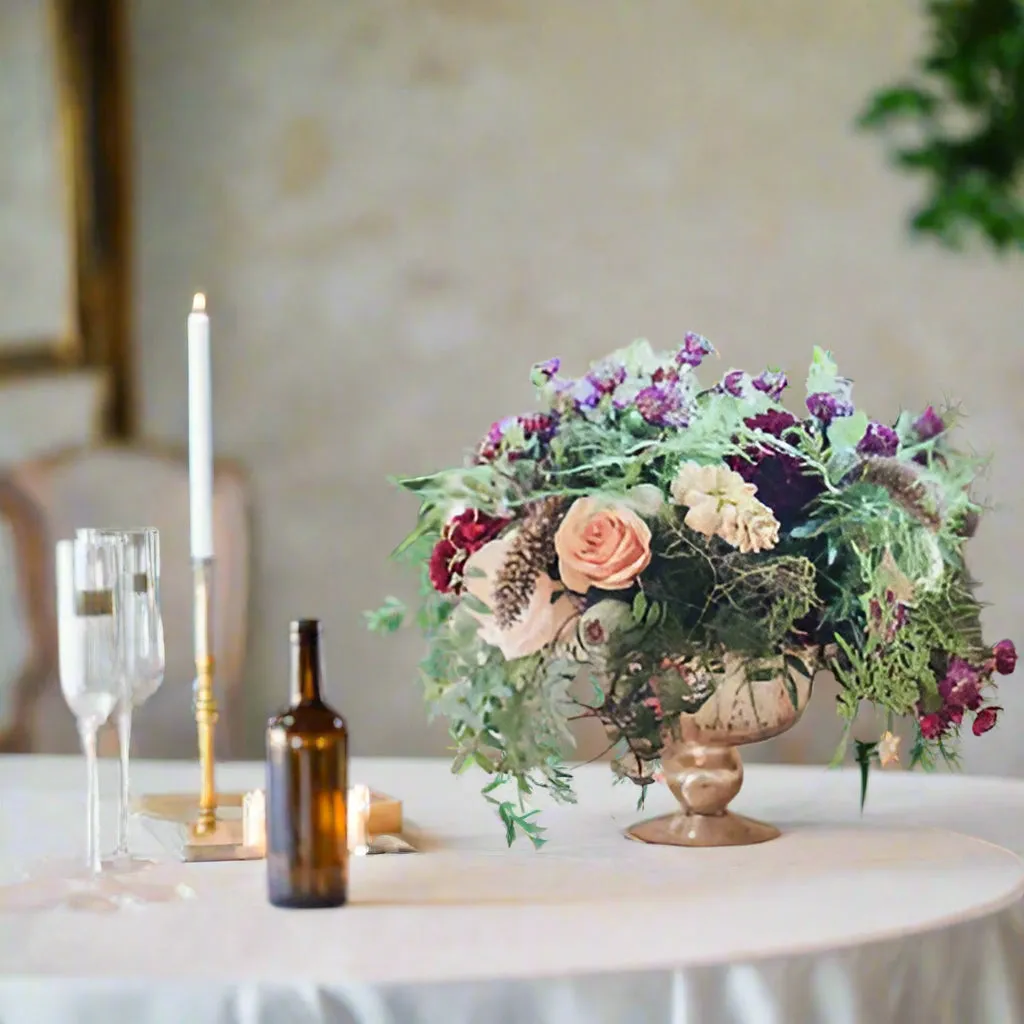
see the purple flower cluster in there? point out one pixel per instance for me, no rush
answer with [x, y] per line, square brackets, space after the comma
[693, 350]
[880, 440]
[928, 425]
[546, 370]
[662, 405]
[540, 425]
[607, 377]
[736, 383]
[961, 691]
[772, 383]
[826, 407]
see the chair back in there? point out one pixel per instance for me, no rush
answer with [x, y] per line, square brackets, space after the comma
[127, 486]
[28, 616]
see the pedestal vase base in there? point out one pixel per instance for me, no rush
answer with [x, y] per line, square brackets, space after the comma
[681, 829]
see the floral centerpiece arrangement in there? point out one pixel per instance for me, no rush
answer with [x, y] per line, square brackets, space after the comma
[658, 537]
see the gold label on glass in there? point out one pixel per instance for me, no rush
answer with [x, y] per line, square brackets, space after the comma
[140, 583]
[94, 603]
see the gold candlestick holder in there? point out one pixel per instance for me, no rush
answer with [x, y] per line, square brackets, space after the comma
[205, 699]
[208, 828]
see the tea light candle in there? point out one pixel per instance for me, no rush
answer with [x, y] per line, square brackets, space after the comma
[359, 820]
[254, 820]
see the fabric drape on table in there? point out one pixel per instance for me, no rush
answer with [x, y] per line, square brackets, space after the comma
[967, 974]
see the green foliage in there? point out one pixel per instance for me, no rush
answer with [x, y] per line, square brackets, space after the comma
[957, 123]
[893, 682]
[865, 754]
[388, 618]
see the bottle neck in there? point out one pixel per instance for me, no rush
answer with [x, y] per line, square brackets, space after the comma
[307, 669]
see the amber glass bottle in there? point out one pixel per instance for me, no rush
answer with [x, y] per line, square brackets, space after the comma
[307, 787]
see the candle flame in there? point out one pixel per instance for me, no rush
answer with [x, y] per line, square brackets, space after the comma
[199, 303]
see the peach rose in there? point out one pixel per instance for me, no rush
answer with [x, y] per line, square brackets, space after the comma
[601, 545]
[539, 623]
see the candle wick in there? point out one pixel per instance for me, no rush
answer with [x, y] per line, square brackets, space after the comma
[199, 303]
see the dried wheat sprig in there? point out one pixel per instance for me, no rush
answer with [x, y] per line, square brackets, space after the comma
[531, 553]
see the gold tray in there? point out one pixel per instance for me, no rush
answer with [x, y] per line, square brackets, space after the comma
[169, 817]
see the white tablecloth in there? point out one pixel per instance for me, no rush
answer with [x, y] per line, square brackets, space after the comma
[909, 914]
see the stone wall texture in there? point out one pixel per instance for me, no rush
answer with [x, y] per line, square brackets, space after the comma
[396, 206]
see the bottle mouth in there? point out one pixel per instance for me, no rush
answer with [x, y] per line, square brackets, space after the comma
[305, 628]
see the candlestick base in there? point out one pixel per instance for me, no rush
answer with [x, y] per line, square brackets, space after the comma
[176, 822]
[171, 818]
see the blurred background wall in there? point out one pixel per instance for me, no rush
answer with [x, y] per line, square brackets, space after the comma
[396, 206]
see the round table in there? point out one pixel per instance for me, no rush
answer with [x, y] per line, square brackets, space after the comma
[911, 912]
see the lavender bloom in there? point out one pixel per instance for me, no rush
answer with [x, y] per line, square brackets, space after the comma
[772, 383]
[662, 406]
[693, 350]
[543, 372]
[879, 439]
[929, 424]
[584, 393]
[825, 407]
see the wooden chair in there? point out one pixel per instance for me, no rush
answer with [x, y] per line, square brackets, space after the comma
[131, 485]
[28, 618]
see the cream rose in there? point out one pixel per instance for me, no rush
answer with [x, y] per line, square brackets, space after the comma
[601, 545]
[537, 625]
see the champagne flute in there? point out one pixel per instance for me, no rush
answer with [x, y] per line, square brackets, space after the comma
[90, 621]
[88, 573]
[141, 657]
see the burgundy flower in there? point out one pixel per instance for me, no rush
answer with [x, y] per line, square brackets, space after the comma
[445, 560]
[961, 687]
[772, 383]
[781, 480]
[1005, 656]
[594, 632]
[693, 350]
[929, 424]
[879, 439]
[984, 720]
[471, 530]
[775, 422]
[825, 407]
[539, 424]
[933, 726]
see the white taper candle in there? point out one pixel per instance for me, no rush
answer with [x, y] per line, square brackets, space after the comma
[200, 430]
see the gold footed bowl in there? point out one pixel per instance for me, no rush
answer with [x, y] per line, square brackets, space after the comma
[699, 756]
